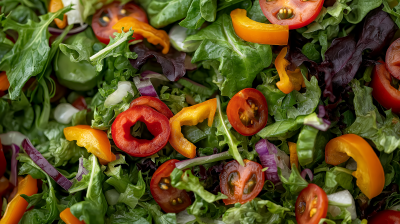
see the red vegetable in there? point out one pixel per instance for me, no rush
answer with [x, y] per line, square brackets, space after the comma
[156, 123]
[385, 217]
[393, 59]
[3, 162]
[295, 13]
[170, 199]
[154, 103]
[107, 16]
[241, 184]
[80, 103]
[383, 91]
[311, 205]
[248, 111]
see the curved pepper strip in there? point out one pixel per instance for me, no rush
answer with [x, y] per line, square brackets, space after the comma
[152, 35]
[306, 144]
[54, 6]
[190, 116]
[17, 206]
[289, 80]
[255, 32]
[95, 141]
[370, 175]
[154, 103]
[69, 218]
[293, 154]
[4, 83]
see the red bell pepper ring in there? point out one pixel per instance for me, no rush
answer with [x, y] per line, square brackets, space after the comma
[3, 162]
[156, 123]
[154, 103]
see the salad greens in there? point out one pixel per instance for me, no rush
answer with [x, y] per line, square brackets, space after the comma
[50, 68]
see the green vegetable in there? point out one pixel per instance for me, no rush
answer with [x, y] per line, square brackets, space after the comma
[306, 145]
[360, 8]
[295, 183]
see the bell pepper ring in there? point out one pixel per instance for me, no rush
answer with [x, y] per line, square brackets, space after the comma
[156, 123]
[190, 116]
[152, 35]
[54, 6]
[69, 218]
[289, 80]
[154, 103]
[370, 175]
[17, 206]
[255, 32]
[95, 141]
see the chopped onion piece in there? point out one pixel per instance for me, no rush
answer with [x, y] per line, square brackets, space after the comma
[319, 123]
[154, 75]
[342, 199]
[14, 163]
[145, 87]
[81, 170]
[272, 157]
[12, 137]
[38, 158]
[124, 87]
[64, 112]
[75, 15]
[177, 36]
[307, 172]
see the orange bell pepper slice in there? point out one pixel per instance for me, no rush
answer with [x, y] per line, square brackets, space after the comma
[190, 116]
[69, 218]
[54, 6]
[293, 154]
[152, 35]
[370, 175]
[255, 32]
[289, 80]
[4, 84]
[17, 206]
[95, 141]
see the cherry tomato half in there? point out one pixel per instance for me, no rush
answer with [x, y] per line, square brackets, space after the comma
[385, 217]
[248, 111]
[170, 199]
[383, 91]
[294, 13]
[154, 103]
[311, 205]
[241, 184]
[3, 162]
[393, 59]
[107, 16]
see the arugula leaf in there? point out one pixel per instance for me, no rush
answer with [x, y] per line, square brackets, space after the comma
[231, 55]
[295, 183]
[201, 208]
[199, 12]
[173, 98]
[133, 193]
[360, 8]
[158, 216]
[187, 181]
[29, 55]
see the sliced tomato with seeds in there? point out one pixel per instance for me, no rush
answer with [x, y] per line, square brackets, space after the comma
[248, 111]
[241, 183]
[311, 205]
[170, 199]
[385, 217]
[107, 16]
[294, 13]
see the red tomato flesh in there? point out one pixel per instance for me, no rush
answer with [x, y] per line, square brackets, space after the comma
[80, 103]
[311, 205]
[241, 184]
[107, 16]
[154, 103]
[385, 217]
[393, 59]
[296, 13]
[383, 91]
[170, 199]
[248, 111]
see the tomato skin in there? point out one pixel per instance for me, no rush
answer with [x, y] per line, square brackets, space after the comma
[240, 103]
[385, 217]
[306, 198]
[383, 92]
[308, 11]
[154, 103]
[236, 193]
[393, 59]
[113, 10]
[80, 103]
[164, 197]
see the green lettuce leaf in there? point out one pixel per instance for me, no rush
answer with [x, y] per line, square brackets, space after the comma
[133, 193]
[295, 183]
[360, 8]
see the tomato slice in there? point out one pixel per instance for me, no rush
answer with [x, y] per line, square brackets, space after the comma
[154, 103]
[80, 103]
[385, 217]
[294, 13]
[311, 205]
[393, 59]
[241, 184]
[105, 18]
[170, 199]
[3, 162]
[248, 111]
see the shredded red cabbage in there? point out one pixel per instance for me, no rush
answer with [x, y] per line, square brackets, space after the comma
[38, 158]
[73, 31]
[81, 170]
[308, 172]
[153, 75]
[145, 87]
[14, 162]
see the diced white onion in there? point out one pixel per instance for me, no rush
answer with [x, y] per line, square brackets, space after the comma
[124, 87]
[12, 137]
[75, 15]
[64, 112]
